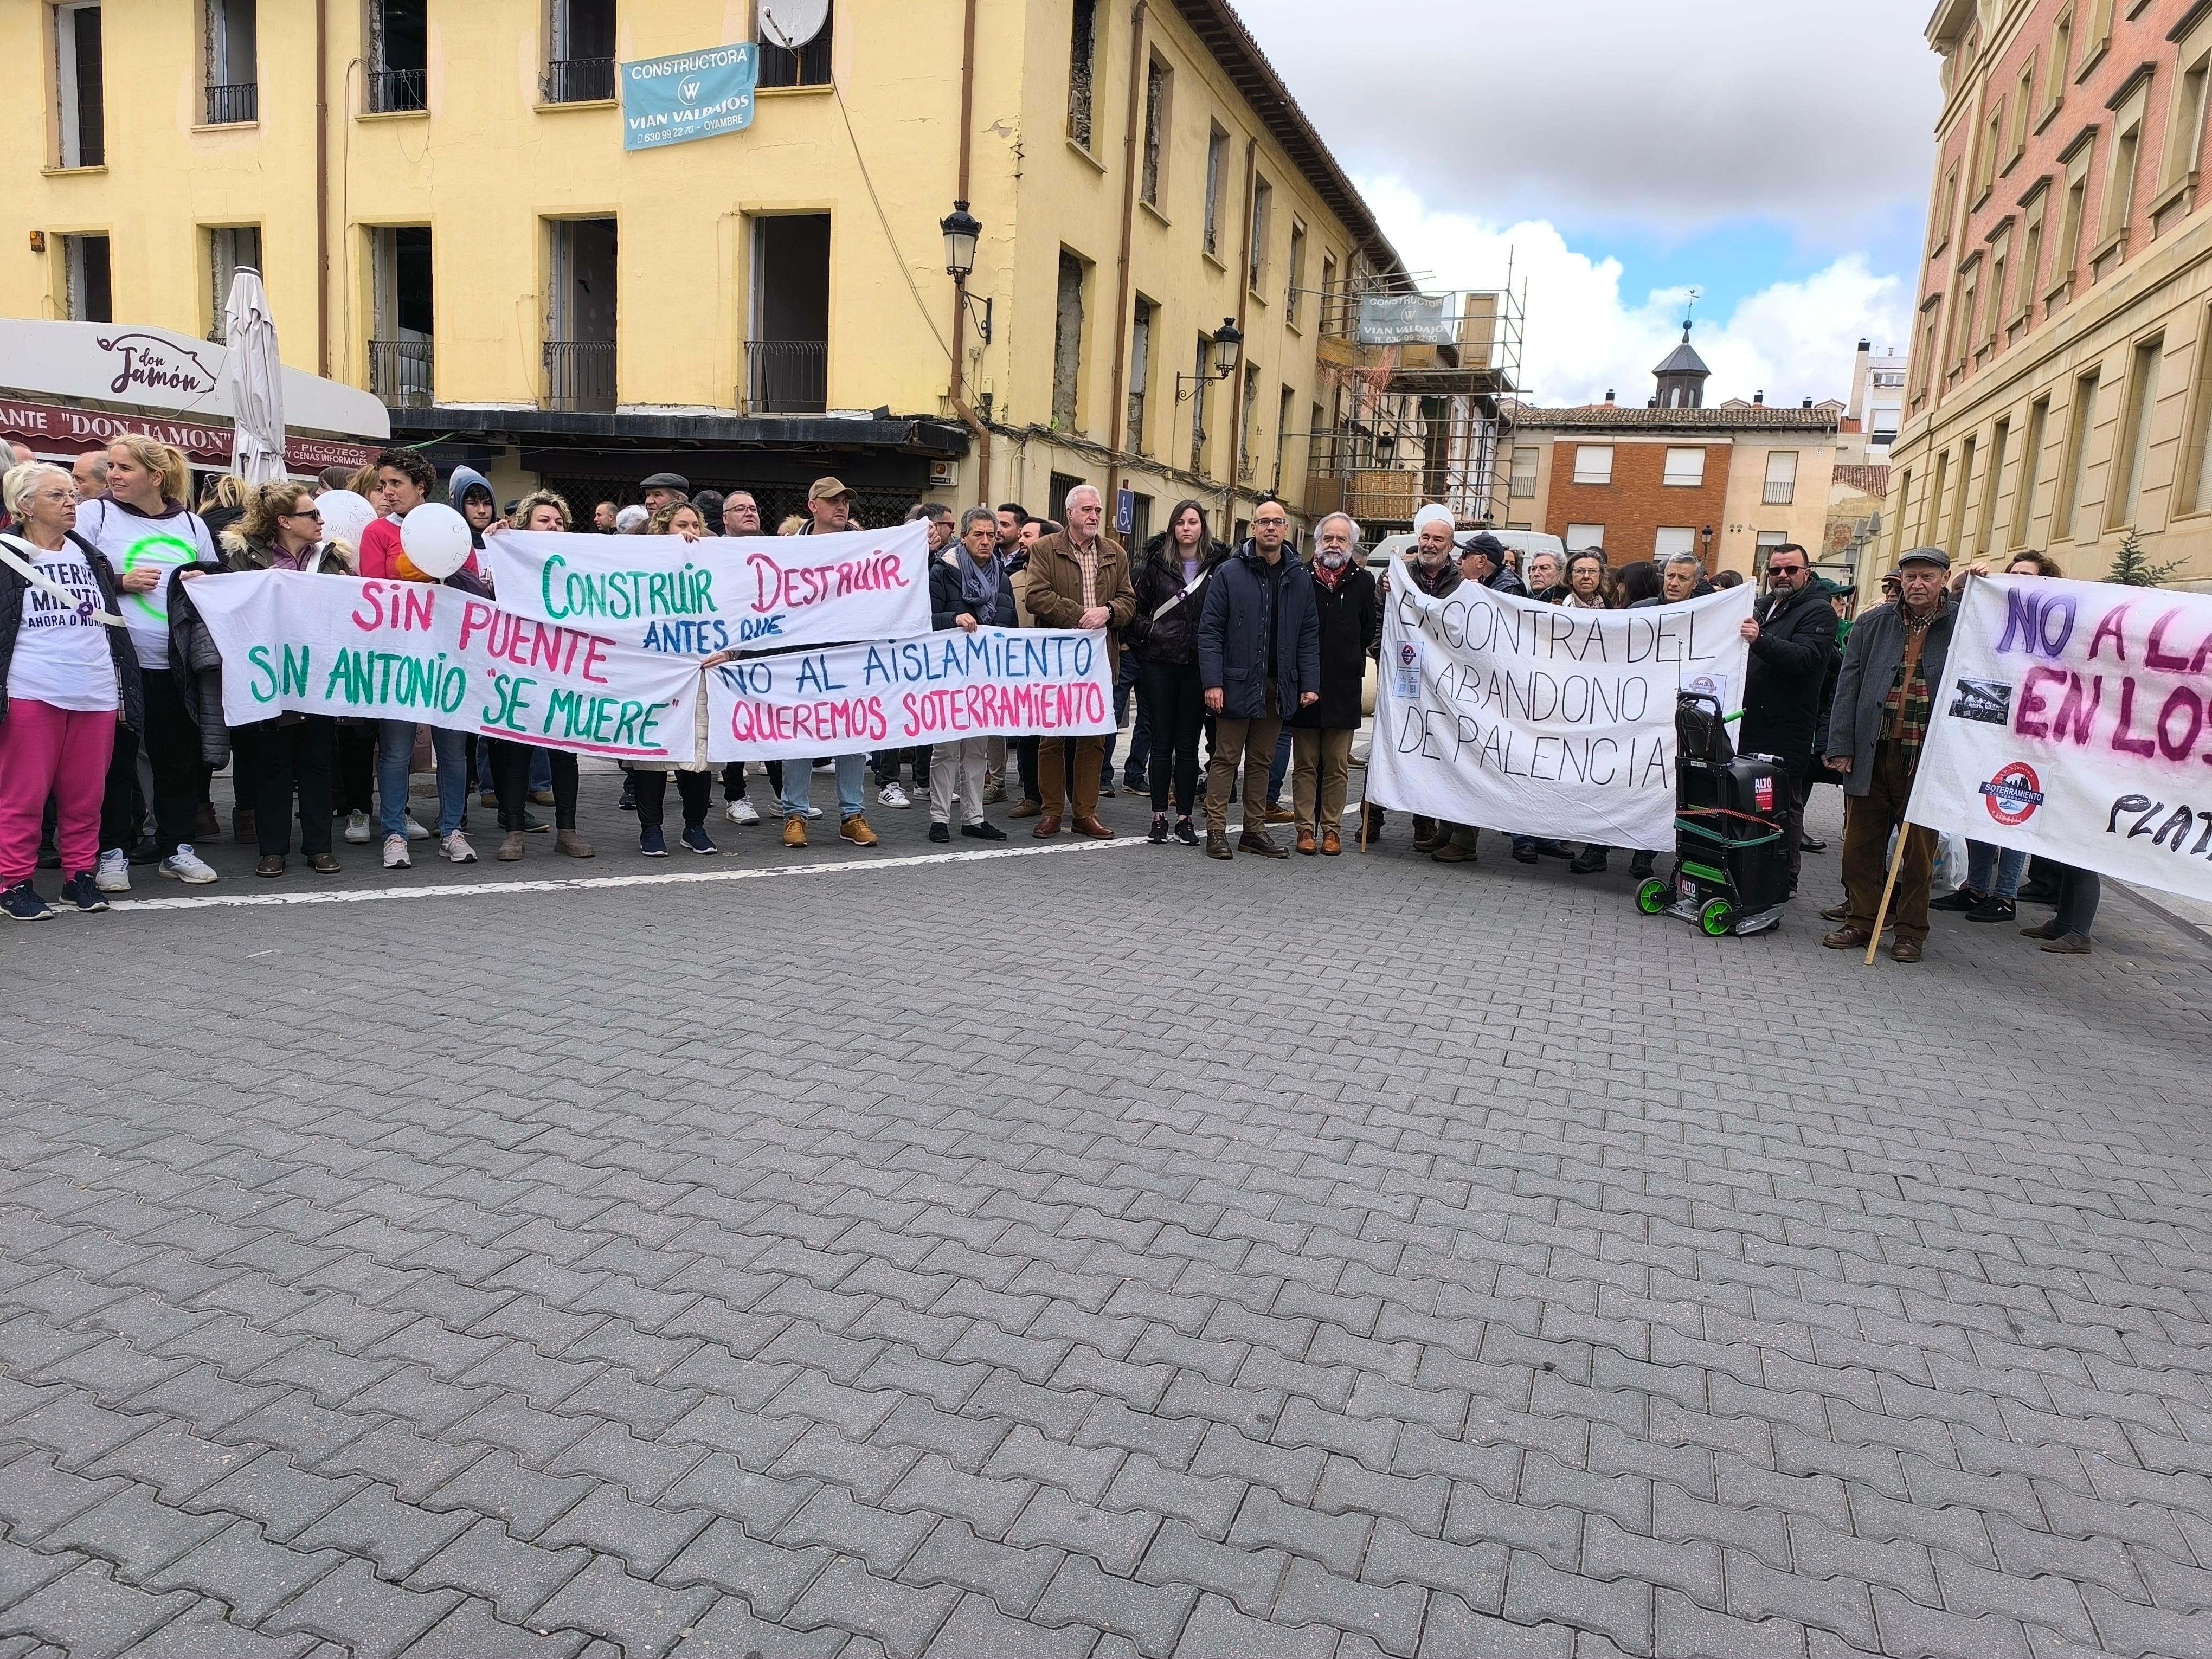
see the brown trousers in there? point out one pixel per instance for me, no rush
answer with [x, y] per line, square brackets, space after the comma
[1868, 821]
[1254, 742]
[1320, 765]
[1060, 790]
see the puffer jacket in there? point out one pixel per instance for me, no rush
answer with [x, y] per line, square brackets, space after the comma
[196, 666]
[1233, 630]
[1170, 635]
[13, 588]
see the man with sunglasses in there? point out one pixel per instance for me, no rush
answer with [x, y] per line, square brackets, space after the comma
[1792, 636]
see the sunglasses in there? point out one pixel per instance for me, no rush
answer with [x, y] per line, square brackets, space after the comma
[304, 512]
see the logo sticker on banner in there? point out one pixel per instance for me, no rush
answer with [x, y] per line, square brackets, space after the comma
[692, 94]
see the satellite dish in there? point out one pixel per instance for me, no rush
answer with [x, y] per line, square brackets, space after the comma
[791, 23]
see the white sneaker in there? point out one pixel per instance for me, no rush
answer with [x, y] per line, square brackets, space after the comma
[892, 795]
[395, 852]
[357, 830]
[455, 849]
[415, 831]
[741, 811]
[114, 875]
[185, 864]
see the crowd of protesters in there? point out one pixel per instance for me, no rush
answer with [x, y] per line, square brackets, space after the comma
[111, 718]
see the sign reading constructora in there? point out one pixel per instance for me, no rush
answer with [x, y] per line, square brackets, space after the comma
[940, 688]
[662, 593]
[691, 94]
[1538, 721]
[2074, 723]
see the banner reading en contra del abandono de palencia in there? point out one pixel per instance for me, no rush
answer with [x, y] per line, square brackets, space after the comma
[663, 594]
[2072, 722]
[1539, 720]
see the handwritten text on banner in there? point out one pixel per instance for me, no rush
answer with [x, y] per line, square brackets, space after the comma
[2073, 722]
[663, 594]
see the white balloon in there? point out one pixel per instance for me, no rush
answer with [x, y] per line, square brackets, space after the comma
[345, 515]
[436, 540]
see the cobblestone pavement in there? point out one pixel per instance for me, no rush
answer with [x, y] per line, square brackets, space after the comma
[1100, 1252]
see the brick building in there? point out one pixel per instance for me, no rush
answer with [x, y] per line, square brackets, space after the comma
[2059, 394]
[1724, 483]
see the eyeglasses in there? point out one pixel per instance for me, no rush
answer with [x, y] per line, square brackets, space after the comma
[304, 512]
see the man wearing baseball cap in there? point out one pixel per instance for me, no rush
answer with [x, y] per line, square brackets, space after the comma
[1482, 560]
[1885, 692]
[828, 511]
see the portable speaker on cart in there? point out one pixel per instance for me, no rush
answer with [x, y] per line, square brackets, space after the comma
[1731, 871]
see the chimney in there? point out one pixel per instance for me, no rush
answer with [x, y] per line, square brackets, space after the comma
[1865, 345]
[1609, 394]
[1759, 396]
[1809, 403]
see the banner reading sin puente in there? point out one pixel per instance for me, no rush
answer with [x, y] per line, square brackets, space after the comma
[662, 593]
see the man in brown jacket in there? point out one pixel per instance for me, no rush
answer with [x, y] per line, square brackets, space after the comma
[1078, 579]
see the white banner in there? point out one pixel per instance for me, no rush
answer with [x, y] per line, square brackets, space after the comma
[415, 651]
[996, 682]
[663, 594]
[1539, 721]
[2072, 722]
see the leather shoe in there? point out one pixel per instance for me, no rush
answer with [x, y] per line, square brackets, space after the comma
[1216, 845]
[1451, 852]
[2069, 943]
[1904, 950]
[1847, 938]
[1092, 828]
[1046, 826]
[1256, 841]
[1837, 913]
[1330, 845]
[1027, 809]
[323, 864]
[1307, 844]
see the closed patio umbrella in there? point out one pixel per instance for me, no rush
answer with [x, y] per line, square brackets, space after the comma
[255, 377]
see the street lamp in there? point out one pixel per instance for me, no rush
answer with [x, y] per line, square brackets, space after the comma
[962, 231]
[1228, 342]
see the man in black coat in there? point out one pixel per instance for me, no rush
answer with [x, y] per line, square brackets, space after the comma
[1792, 635]
[1259, 662]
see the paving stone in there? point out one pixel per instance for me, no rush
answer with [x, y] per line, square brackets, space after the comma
[1391, 1618]
[352, 1607]
[1116, 1541]
[646, 1539]
[89, 1615]
[644, 1619]
[515, 1578]
[729, 1630]
[977, 1630]
[1150, 1616]
[398, 1535]
[240, 1568]
[1217, 1630]
[769, 1576]
[1248, 1576]
[902, 1617]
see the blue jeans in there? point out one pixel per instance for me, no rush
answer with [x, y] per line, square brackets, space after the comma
[1984, 859]
[799, 775]
[1279, 766]
[395, 752]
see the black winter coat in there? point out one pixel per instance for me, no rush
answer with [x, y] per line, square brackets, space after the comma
[1788, 670]
[1172, 635]
[1233, 629]
[196, 666]
[1351, 620]
[946, 601]
[130, 694]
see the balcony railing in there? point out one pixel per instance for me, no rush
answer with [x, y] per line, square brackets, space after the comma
[579, 80]
[579, 376]
[400, 373]
[1780, 494]
[391, 91]
[787, 377]
[233, 105]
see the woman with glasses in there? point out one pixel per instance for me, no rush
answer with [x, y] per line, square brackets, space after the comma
[292, 754]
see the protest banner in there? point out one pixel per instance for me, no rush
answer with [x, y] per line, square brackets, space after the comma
[1539, 721]
[662, 593]
[688, 95]
[2071, 723]
[415, 650]
[996, 682]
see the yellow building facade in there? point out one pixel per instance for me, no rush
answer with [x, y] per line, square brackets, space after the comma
[438, 198]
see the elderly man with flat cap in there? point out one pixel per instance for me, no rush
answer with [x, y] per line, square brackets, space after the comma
[1885, 691]
[662, 489]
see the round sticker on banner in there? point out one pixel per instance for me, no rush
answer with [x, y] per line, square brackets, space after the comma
[2014, 794]
[164, 553]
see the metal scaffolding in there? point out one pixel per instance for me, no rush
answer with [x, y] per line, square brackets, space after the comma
[1417, 390]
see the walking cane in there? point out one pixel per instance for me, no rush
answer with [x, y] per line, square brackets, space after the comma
[1888, 887]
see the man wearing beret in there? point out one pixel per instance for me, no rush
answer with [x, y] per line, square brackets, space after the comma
[1884, 694]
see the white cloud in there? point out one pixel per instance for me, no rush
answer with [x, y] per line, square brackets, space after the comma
[1789, 339]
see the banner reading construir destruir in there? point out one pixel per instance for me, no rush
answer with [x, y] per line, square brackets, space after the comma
[2072, 723]
[415, 650]
[1535, 720]
[996, 682]
[663, 594]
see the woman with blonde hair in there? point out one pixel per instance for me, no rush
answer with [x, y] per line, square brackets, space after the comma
[678, 519]
[146, 532]
[68, 682]
[541, 510]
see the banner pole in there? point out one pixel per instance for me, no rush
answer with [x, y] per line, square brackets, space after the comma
[1881, 910]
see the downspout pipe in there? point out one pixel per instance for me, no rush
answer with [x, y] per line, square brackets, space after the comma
[957, 395]
[322, 193]
[1117, 417]
[1243, 276]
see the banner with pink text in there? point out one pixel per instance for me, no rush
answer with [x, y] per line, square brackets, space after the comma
[2072, 723]
[692, 599]
[415, 650]
[996, 682]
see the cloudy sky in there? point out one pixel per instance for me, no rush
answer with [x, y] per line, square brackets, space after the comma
[1773, 154]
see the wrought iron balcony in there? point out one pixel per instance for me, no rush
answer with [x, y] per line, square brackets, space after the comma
[579, 376]
[579, 80]
[391, 91]
[233, 105]
[787, 377]
[401, 372]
